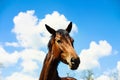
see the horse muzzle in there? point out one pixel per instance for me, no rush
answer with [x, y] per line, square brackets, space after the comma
[74, 63]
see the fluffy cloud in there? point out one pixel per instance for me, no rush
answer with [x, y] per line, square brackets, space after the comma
[57, 21]
[32, 54]
[112, 74]
[30, 31]
[118, 66]
[27, 30]
[30, 58]
[30, 62]
[8, 58]
[89, 57]
[29, 66]
[14, 44]
[118, 69]
[103, 77]
[20, 76]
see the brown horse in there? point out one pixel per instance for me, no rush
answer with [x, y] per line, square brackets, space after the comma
[60, 49]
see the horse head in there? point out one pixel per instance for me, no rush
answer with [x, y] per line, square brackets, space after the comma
[62, 45]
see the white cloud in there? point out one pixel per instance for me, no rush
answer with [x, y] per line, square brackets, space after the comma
[90, 57]
[30, 59]
[14, 44]
[118, 69]
[29, 66]
[32, 54]
[8, 58]
[57, 21]
[118, 66]
[30, 31]
[20, 76]
[26, 30]
[112, 74]
[103, 77]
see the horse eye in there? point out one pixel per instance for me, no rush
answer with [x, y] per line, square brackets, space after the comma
[59, 41]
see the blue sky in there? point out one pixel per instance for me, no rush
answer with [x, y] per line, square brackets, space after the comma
[96, 33]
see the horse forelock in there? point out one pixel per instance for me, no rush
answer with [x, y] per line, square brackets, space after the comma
[61, 32]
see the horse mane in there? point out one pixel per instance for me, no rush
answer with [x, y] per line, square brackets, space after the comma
[50, 43]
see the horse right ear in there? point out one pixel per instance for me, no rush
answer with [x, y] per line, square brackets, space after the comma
[50, 30]
[69, 27]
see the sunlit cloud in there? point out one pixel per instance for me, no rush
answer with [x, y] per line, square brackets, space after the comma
[90, 57]
[30, 31]
[111, 74]
[8, 59]
[20, 76]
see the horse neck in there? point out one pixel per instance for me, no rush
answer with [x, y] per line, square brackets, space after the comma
[49, 71]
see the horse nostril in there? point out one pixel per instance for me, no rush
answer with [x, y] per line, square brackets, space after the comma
[75, 61]
[72, 59]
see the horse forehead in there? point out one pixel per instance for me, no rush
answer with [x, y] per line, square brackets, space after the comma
[62, 32]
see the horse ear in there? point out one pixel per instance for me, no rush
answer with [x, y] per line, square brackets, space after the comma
[50, 30]
[69, 27]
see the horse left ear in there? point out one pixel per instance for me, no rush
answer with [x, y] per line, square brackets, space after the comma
[50, 30]
[69, 27]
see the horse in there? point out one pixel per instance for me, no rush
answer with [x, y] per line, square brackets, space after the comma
[61, 49]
